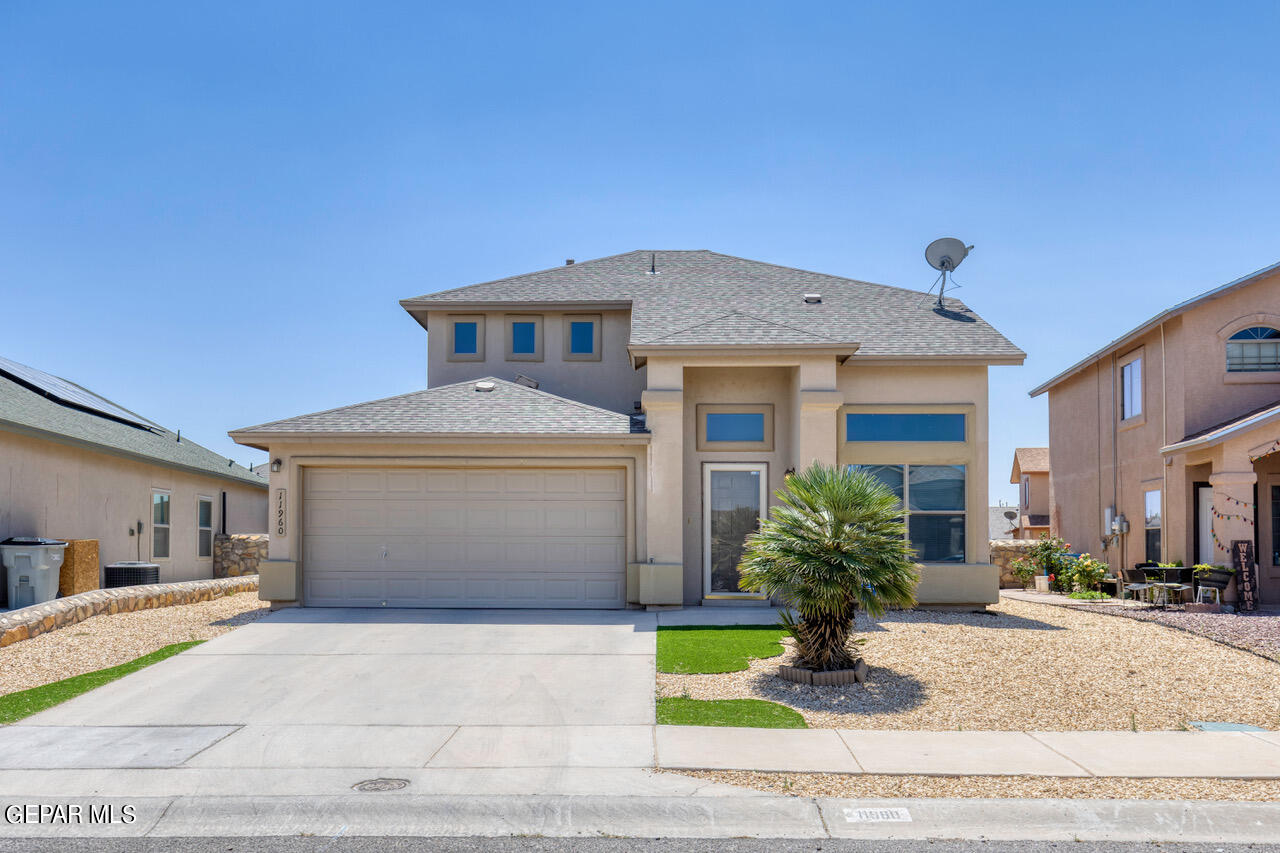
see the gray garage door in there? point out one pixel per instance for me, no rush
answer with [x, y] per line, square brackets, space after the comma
[462, 537]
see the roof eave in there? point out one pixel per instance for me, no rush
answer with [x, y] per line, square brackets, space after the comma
[1153, 323]
[71, 441]
[642, 349]
[966, 359]
[262, 440]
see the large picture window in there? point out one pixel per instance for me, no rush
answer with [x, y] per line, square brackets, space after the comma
[933, 499]
[1254, 350]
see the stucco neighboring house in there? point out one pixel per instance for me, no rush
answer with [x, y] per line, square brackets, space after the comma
[74, 465]
[1002, 522]
[675, 390]
[1164, 442]
[1031, 475]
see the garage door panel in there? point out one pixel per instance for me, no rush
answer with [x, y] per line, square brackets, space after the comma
[463, 537]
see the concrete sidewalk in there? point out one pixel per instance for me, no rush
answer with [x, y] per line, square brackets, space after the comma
[1229, 755]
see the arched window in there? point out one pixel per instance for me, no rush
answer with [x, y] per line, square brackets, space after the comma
[1254, 349]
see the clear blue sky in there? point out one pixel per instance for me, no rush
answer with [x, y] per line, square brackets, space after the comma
[209, 210]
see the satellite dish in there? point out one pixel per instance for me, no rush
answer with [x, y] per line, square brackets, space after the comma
[1010, 514]
[946, 253]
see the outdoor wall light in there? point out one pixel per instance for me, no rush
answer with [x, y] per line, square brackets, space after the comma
[275, 466]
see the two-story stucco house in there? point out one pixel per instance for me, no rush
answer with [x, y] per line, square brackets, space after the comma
[606, 433]
[1031, 475]
[1164, 443]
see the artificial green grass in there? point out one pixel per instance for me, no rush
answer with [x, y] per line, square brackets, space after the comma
[749, 713]
[716, 648]
[24, 703]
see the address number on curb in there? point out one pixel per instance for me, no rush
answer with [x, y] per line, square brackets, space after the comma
[279, 513]
[877, 816]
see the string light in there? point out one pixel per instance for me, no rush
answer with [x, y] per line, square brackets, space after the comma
[1275, 445]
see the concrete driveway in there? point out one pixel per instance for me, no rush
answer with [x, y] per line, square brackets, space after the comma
[377, 689]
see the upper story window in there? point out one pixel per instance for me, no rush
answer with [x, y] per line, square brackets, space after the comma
[466, 338]
[159, 525]
[727, 426]
[1131, 389]
[1254, 349]
[582, 337]
[524, 338]
[904, 426]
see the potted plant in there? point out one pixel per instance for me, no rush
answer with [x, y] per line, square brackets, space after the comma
[835, 545]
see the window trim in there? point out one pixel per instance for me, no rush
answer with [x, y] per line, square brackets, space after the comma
[209, 500]
[452, 320]
[567, 321]
[168, 493]
[508, 322]
[907, 511]
[704, 409]
[1139, 417]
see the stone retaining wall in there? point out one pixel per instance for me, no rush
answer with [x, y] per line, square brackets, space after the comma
[1003, 553]
[28, 622]
[236, 554]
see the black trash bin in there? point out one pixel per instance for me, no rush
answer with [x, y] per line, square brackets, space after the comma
[129, 573]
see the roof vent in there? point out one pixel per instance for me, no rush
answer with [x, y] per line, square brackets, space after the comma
[568, 262]
[813, 299]
[526, 381]
[486, 385]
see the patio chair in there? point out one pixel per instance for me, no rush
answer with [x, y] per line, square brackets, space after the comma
[1173, 583]
[1135, 581]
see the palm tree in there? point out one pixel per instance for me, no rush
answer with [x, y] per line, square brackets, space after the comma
[837, 543]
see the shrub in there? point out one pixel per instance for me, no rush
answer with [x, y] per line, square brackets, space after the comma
[837, 543]
[1087, 573]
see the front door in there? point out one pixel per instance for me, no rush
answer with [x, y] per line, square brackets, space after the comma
[1269, 544]
[733, 499]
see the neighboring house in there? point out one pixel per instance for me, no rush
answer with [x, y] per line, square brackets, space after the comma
[1031, 476]
[1164, 442]
[74, 465]
[1002, 521]
[675, 391]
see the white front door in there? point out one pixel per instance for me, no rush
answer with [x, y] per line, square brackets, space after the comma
[733, 500]
[1204, 520]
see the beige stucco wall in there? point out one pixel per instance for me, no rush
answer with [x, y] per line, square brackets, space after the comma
[57, 490]
[610, 383]
[1037, 493]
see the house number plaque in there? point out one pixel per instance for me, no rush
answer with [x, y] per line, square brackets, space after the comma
[278, 512]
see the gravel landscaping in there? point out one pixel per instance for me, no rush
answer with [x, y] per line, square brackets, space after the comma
[1020, 666]
[1000, 787]
[105, 641]
[1258, 632]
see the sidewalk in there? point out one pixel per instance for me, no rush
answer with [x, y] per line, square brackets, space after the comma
[1228, 755]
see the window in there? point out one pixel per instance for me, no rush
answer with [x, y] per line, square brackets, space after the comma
[1026, 492]
[1275, 525]
[159, 525]
[1131, 389]
[1253, 350]
[934, 501]
[524, 338]
[466, 337]
[892, 426]
[204, 527]
[731, 426]
[1151, 523]
[735, 426]
[581, 337]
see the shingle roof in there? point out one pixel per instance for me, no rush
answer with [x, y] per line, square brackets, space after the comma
[23, 410]
[702, 298]
[458, 409]
[1032, 459]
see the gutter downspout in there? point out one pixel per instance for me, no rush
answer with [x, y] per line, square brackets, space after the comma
[1164, 463]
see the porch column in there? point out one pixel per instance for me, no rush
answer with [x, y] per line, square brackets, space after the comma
[664, 508]
[1234, 514]
[817, 404]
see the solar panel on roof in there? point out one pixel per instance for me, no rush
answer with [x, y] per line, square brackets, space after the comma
[70, 394]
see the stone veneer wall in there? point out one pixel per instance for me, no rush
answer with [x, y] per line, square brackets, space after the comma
[27, 622]
[1003, 553]
[236, 554]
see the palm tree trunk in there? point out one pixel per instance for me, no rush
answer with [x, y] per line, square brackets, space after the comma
[825, 642]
